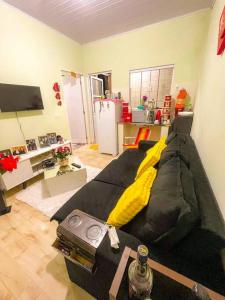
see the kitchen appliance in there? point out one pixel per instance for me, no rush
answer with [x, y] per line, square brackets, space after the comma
[107, 115]
[138, 116]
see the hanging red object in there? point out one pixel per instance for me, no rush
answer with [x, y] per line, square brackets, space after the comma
[56, 87]
[58, 96]
[221, 37]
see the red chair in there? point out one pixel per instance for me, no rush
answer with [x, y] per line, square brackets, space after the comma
[143, 134]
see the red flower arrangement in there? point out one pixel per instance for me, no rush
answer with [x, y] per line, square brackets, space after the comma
[8, 163]
[62, 152]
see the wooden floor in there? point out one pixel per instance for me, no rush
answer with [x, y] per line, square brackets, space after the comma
[29, 267]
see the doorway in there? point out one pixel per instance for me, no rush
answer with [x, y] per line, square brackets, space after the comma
[100, 87]
[73, 95]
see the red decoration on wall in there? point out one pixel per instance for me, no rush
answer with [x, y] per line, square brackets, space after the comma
[58, 96]
[56, 87]
[221, 38]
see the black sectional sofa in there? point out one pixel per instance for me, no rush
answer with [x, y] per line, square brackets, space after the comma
[195, 241]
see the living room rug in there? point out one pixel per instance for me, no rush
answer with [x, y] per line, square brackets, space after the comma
[37, 196]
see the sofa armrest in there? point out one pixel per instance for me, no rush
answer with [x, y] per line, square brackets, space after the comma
[98, 284]
[145, 145]
[106, 253]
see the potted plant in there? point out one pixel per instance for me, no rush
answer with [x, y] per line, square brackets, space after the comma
[7, 163]
[62, 154]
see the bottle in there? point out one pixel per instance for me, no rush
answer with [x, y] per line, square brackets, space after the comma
[140, 276]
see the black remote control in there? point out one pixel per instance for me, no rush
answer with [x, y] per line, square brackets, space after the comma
[76, 165]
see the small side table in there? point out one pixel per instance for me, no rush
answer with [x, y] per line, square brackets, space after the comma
[4, 209]
[167, 284]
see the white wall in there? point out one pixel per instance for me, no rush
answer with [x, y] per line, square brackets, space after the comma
[209, 115]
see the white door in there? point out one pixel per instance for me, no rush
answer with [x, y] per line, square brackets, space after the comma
[96, 93]
[73, 97]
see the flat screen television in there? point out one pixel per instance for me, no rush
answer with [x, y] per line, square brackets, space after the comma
[19, 97]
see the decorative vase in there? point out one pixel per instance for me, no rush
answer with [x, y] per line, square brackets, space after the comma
[63, 162]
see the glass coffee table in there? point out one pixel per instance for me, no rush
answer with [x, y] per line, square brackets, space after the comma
[167, 284]
[58, 183]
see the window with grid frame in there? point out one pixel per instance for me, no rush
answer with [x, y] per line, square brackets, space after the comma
[155, 83]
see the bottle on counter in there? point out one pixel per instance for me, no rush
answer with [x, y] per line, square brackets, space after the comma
[140, 276]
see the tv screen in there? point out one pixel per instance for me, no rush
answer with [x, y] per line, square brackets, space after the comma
[19, 97]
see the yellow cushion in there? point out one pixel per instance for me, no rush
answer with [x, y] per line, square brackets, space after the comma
[152, 157]
[133, 199]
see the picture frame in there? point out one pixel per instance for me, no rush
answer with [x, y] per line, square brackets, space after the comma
[43, 141]
[52, 138]
[6, 152]
[31, 145]
[19, 150]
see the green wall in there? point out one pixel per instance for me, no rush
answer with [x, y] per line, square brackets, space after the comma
[178, 41]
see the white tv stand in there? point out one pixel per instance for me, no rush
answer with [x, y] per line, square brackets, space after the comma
[29, 166]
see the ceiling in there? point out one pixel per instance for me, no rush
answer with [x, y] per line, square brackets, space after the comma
[89, 20]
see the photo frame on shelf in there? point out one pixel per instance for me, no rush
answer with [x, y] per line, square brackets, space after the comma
[31, 145]
[43, 141]
[6, 152]
[52, 138]
[19, 150]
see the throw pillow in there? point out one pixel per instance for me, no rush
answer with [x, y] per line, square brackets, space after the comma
[133, 199]
[172, 211]
[152, 157]
[177, 146]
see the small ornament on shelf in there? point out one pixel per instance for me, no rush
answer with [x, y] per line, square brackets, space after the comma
[166, 111]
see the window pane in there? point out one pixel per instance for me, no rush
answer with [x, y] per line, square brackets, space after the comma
[154, 85]
[165, 81]
[145, 90]
[97, 87]
[135, 88]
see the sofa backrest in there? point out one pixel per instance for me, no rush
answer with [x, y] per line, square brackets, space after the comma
[211, 216]
[206, 243]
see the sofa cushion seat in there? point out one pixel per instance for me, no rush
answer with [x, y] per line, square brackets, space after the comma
[122, 171]
[95, 198]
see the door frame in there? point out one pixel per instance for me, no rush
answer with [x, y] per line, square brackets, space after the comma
[90, 75]
[80, 76]
[93, 104]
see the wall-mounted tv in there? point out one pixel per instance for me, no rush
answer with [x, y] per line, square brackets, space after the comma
[19, 97]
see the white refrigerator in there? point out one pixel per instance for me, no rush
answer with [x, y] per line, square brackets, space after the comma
[107, 116]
